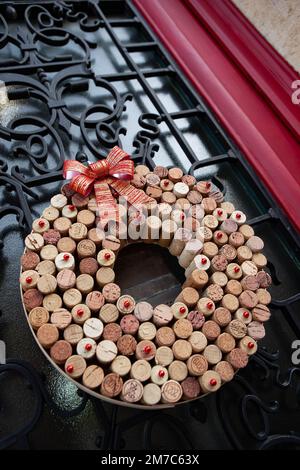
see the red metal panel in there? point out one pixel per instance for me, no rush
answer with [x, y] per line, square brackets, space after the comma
[260, 131]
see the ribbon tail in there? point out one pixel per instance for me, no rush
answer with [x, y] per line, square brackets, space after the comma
[106, 203]
[134, 196]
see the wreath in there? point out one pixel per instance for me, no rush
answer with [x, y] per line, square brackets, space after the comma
[132, 352]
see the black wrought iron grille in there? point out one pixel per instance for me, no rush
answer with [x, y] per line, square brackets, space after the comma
[79, 77]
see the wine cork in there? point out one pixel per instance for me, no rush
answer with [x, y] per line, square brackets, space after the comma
[86, 348]
[146, 331]
[50, 214]
[121, 365]
[154, 192]
[190, 250]
[196, 212]
[85, 283]
[38, 316]
[152, 179]
[221, 215]
[206, 306]
[62, 225]
[40, 225]
[248, 299]
[140, 370]
[126, 345]
[225, 342]
[211, 330]
[183, 328]
[243, 253]
[32, 298]
[236, 239]
[49, 252]
[88, 266]
[168, 197]
[264, 279]
[80, 313]
[161, 171]
[263, 296]
[177, 371]
[145, 350]
[248, 344]
[182, 349]
[179, 310]
[200, 263]
[250, 283]
[214, 292]
[204, 187]
[126, 304]
[237, 358]
[96, 235]
[105, 276]
[112, 331]
[109, 313]
[86, 217]
[204, 234]
[111, 243]
[29, 279]
[112, 385]
[80, 201]
[132, 391]
[234, 287]
[210, 381]
[171, 392]
[209, 205]
[229, 252]
[78, 231]
[58, 201]
[47, 335]
[198, 341]
[92, 205]
[220, 238]
[95, 300]
[75, 366]
[246, 230]
[52, 302]
[249, 268]
[181, 189]
[151, 394]
[191, 388]
[86, 249]
[194, 197]
[46, 267]
[143, 311]
[259, 260]
[261, 313]
[66, 279]
[210, 249]
[175, 174]
[225, 371]
[159, 374]
[243, 315]
[111, 292]
[93, 377]
[106, 351]
[164, 356]
[255, 244]
[162, 315]
[51, 237]
[237, 329]
[178, 216]
[64, 261]
[197, 279]
[181, 237]
[197, 365]
[70, 212]
[210, 222]
[190, 180]
[165, 336]
[256, 330]
[93, 328]
[212, 354]
[72, 297]
[61, 318]
[197, 319]
[222, 316]
[239, 217]
[233, 271]
[66, 245]
[138, 181]
[47, 284]
[129, 324]
[189, 296]
[106, 258]
[61, 351]
[219, 263]
[29, 260]
[141, 170]
[151, 229]
[228, 207]
[230, 302]
[164, 211]
[73, 334]
[168, 230]
[219, 279]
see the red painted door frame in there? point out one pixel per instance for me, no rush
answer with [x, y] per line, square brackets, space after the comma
[243, 80]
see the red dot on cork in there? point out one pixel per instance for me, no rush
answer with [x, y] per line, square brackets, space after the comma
[127, 303]
[203, 260]
[236, 269]
[250, 345]
[88, 347]
[41, 223]
[70, 368]
[107, 256]
[80, 312]
[219, 235]
[209, 305]
[246, 314]
[161, 373]
[220, 212]
[238, 215]
[166, 183]
[29, 279]
[72, 207]
[182, 310]
[66, 257]
[182, 216]
[147, 349]
[213, 382]
[208, 185]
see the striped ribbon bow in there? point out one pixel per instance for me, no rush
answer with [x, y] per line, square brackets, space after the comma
[115, 171]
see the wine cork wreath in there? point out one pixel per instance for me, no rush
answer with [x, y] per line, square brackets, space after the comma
[132, 352]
